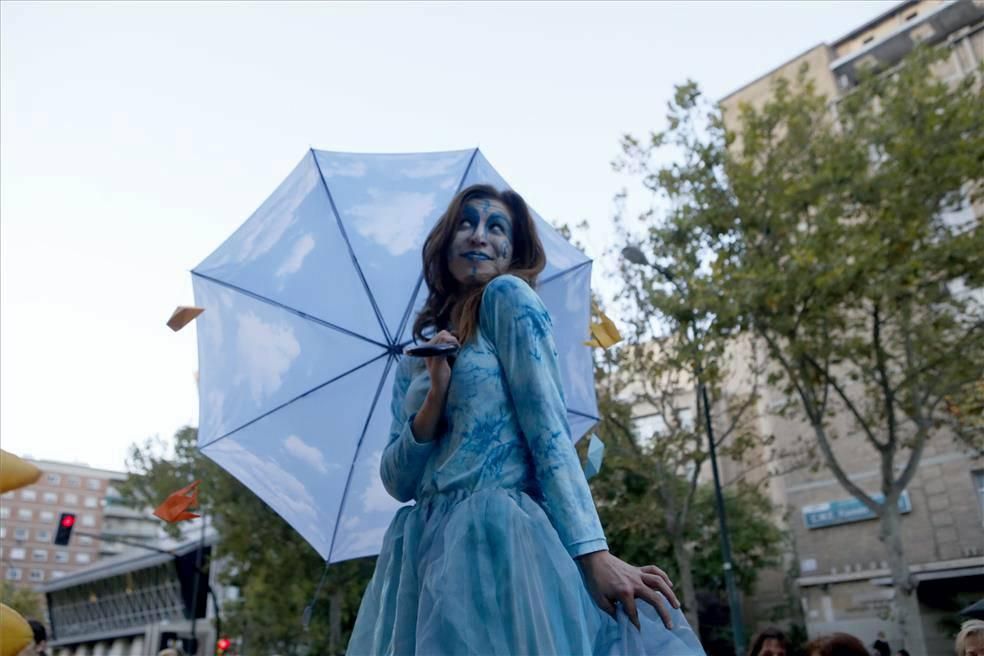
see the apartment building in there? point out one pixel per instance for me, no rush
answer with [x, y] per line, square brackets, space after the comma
[843, 581]
[29, 519]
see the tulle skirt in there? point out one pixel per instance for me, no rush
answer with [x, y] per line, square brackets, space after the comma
[485, 573]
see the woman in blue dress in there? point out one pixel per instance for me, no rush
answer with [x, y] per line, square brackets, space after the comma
[503, 552]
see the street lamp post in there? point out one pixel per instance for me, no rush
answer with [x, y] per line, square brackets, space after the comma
[636, 256]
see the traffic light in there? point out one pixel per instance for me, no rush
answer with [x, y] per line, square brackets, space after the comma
[221, 645]
[64, 531]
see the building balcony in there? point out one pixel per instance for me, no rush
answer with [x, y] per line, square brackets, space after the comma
[930, 28]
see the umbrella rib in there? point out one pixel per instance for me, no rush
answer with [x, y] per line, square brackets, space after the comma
[296, 398]
[420, 279]
[583, 414]
[406, 314]
[564, 272]
[355, 457]
[355, 260]
[303, 315]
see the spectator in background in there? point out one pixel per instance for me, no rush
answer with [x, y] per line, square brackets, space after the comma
[970, 640]
[36, 648]
[836, 644]
[881, 646]
[770, 642]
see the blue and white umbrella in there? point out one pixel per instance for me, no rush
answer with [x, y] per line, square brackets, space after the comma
[308, 306]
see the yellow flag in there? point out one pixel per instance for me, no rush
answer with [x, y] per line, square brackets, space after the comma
[15, 473]
[604, 334]
[15, 630]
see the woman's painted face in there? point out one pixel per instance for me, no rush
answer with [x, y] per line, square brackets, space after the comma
[482, 247]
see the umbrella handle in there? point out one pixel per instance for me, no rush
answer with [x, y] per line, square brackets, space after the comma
[431, 350]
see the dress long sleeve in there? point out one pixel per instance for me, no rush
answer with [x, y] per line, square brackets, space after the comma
[515, 321]
[404, 458]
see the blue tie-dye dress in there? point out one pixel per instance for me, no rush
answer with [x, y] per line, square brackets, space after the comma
[483, 563]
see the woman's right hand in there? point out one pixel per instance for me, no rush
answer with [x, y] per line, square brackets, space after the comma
[438, 367]
[428, 419]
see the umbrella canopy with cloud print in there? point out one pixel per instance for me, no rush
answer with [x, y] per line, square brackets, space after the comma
[308, 307]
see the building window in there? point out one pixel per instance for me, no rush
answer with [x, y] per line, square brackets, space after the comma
[29, 495]
[85, 540]
[61, 556]
[13, 574]
[8, 495]
[42, 535]
[57, 574]
[3, 532]
[91, 502]
[37, 574]
[4, 512]
[88, 520]
[25, 513]
[21, 534]
[50, 497]
[82, 557]
[53, 479]
[93, 483]
[74, 481]
[40, 555]
[71, 499]
[47, 516]
[18, 553]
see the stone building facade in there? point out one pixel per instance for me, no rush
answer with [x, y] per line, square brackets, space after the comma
[841, 575]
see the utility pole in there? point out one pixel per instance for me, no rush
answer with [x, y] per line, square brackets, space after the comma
[636, 256]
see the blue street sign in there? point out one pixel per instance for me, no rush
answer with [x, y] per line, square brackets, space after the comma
[846, 511]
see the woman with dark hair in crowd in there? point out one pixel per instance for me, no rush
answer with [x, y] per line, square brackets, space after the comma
[770, 642]
[503, 552]
[836, 644]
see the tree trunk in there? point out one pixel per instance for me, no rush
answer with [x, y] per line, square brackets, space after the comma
[906, 603]
[335, 645]
[688, 595]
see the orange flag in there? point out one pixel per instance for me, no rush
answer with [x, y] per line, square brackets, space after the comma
[176, 505]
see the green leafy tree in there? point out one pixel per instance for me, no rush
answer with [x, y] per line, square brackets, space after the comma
[276, 571]
[649, 499]
[25, 601]
[676, 342]
[831, 244]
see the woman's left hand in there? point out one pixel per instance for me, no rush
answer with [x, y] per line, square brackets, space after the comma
[612, 580]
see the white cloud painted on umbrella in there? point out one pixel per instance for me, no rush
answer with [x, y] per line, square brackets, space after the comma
[307, 454]
[395, 221]
[295, 260]
[431, 168]
[271, 482]
[263, 368]
[375, 498]
[269, 223]
[341, 168]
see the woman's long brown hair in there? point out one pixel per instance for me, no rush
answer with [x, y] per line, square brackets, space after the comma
[448, 302]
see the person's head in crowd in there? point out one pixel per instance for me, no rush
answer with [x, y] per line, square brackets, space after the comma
[970, 640]
[37, 648]
[836, 644]
[770, 642]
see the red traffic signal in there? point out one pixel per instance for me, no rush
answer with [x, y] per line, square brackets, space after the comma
[64, 532]
[222, 644]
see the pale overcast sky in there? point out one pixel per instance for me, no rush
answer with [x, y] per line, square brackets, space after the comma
[135, 138]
